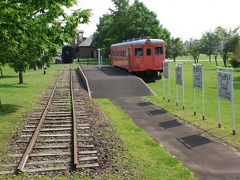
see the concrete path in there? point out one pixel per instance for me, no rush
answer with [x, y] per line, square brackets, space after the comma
[112, 82]
[207, 159]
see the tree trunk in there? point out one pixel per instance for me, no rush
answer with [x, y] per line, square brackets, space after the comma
[1, 72]
[225, 60]
[216, 60]
[20, 77]
[195, 60]
[210, 58]
[174, 59]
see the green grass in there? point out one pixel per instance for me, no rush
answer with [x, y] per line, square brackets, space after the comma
[92, 61]
[209, 126]
[201, 57]
[18, 99]
[153, 161]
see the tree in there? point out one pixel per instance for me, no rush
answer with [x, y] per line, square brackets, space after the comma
[235, 57]
[195, 50]
[103, 37]
[228, 42]
[176, 48]
[33, 30]
[128, 22]
[209, 43]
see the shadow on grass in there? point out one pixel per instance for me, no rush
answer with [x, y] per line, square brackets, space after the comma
[15, 85]
[8, 109]
[8, 77]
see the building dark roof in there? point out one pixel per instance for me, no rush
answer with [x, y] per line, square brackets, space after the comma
[87, 42]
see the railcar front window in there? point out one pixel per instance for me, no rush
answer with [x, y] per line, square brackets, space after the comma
[138, 52]
[149, 52]
[158, 50]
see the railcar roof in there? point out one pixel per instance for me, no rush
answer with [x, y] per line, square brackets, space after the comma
[141, 41]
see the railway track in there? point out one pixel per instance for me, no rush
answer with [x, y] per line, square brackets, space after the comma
[57, 137]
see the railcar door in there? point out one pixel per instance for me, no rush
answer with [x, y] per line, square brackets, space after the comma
[148, 57]
[138, 58]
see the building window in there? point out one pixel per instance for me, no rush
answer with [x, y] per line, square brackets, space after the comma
[149, 52]
[158, 50]
[138, 52]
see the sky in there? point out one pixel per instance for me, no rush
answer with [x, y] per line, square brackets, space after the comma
[183, 18]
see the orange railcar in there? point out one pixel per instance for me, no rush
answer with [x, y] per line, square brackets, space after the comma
[139, 56]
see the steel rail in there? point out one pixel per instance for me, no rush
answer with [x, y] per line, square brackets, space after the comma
[29, 148]
[74, 125]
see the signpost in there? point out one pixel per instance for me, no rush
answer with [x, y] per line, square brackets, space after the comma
[99, 59]
[225, 91]
[179, 81]
[198, 83]
[166, 75]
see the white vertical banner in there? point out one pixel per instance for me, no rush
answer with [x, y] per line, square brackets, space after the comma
[99, 59]
[179, 81]
[198, 83]
[225, 91]
[166, 75]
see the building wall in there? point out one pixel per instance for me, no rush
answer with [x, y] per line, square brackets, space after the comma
[85, 52]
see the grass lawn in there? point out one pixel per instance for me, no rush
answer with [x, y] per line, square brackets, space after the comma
[92, 61]
[18, 99]
[201, 57]
[153, 161]
[209, 126]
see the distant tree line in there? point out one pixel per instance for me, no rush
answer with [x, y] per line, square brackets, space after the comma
[222, 41]
[137, 21]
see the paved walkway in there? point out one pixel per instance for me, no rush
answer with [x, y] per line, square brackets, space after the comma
[207, 159]
[112, 82]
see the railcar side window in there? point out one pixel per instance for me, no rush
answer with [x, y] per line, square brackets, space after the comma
[149, 52]
[138, 52]
[158, 50]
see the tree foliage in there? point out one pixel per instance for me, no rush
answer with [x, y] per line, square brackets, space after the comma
[128, 22]
[229, 40]
[210, 44]
[195, 49]
[176, 48]
[31, 31]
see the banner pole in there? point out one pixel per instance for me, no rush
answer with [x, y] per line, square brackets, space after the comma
[194, 101]
[219, 113]
[168, 82]
[233, 115]
[176, 95]
[203, 113]
[164, 88]
[99, 59]
[183, 88]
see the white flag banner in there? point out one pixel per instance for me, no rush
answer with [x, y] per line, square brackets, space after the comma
[179, 75]
[225, 85]
[197, 76]
[165, 69]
